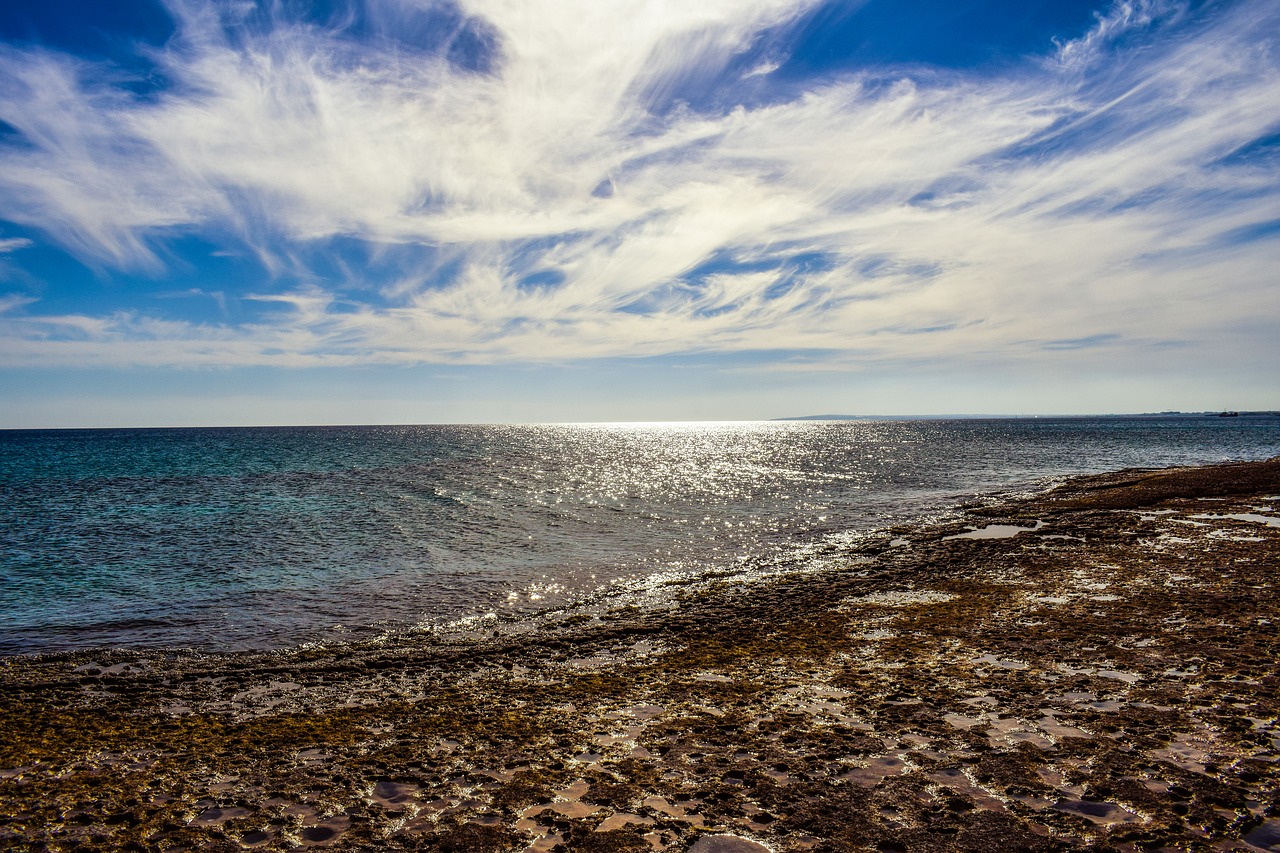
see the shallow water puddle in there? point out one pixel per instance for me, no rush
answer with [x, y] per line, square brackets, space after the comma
[815, 709]
[545, 837]
[257, 838]
[727, 844]
[1268, 520]
[445, 747]
[1039, 741]
[267, 692]
[313, 755]
[900, 598]
[217, 817]
[618, 820]
[663, 806]
[1265, 836]
[325, 832]
[393, 796]
[569, 808]
[996, 531]
[1119, 675]
[570, 805]
[876, 769]
[1055, 779]
[1010, 664]
[959, 782]
[679, 811]
[1108, 705]
[95, 668]
[627, 736]
[644, 713]
[1148, 514]
[1013, 731]
[1007, 725]
[1098, 812]
[816, 700]
[960, 721]
[1185, 753]
[1223, 534]
[1050, 726]
[1111, 674]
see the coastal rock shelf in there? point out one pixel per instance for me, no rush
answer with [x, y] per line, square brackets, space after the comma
[1104, 677]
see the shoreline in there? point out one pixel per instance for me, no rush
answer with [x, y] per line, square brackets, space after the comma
[1099, 673]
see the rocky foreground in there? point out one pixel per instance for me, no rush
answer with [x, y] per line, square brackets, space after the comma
[1095, 669]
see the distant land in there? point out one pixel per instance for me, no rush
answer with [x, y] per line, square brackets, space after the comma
[1169, 414]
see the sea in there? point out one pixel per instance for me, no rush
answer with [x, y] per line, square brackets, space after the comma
[235, 539]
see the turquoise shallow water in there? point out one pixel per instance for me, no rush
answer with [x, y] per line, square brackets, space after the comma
[230, 539]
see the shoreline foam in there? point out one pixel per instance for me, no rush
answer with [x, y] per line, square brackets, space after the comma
[1105, 681]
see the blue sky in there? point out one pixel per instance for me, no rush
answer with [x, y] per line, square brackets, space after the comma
[409, 211]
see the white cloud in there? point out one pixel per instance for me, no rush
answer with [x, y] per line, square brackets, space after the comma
[1123, 18]
[952, 216]
[11, 301]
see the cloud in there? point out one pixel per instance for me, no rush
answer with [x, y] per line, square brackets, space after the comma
[11, 301]
[1124, 18]
[13, 244]
[587, 210]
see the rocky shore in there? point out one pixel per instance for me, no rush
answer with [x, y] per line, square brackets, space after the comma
[1093, 669]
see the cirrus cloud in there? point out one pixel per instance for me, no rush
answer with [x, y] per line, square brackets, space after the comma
[545, 185]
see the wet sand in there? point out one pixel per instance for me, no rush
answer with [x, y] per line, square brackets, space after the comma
[1092, 669]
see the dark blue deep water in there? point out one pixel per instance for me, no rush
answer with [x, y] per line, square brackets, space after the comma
[230, 539]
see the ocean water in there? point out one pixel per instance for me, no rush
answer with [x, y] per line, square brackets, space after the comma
[234, 539]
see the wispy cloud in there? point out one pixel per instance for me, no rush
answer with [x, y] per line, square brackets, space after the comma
[1090, 197]
[1124, 18]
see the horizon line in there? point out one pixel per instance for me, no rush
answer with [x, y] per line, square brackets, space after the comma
[677, 421]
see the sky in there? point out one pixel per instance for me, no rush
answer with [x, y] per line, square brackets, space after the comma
[407, 211]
